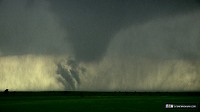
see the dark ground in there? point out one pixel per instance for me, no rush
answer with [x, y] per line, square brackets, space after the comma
[66, 101]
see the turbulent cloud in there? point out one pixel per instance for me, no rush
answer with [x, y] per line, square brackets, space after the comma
[71, 71]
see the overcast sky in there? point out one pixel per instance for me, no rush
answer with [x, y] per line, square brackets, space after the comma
[100, 45]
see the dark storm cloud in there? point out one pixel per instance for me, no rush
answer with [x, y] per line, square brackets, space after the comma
[29, 27]
[48, 27]
[92, 24]
[133, 45]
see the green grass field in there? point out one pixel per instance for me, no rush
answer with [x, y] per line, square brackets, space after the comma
[61, 103]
